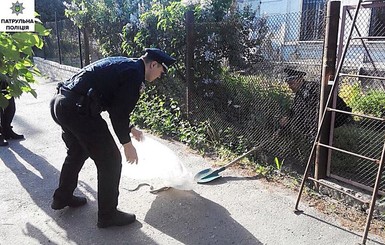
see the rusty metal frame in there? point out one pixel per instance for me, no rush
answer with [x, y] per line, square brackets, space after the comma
[331, 98]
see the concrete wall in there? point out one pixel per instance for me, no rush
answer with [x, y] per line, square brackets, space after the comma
[54, 70]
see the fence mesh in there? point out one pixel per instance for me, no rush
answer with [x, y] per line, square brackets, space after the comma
[363, 136]
[63, 46]
[252, 106]
[254, 103]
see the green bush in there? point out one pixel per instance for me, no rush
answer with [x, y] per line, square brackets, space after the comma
[16, 64]
[163, 116]
[358, 140]
[371, 102]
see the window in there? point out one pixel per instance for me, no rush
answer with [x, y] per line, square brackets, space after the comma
[312, 20]
[377, 23]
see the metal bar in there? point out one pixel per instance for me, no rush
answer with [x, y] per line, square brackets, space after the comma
[356, 114]
[338, 71]
[356, 184]
[369, 38]
[336, 189]
[374, 196]
[372, 1]
[362, 76]
[80, 48]
[190, 22]
[342, 33]
[58, 37]
[369, 4]
[363, 43]
[331, 133]
[328, 71]
[349, 153]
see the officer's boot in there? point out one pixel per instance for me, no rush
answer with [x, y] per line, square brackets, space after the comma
[7, 115]
[3, 142]
[116, 218]
[8, 133]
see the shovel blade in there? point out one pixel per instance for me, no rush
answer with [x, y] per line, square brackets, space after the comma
[208, 175]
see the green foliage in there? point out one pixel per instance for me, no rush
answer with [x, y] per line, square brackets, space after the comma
[16, 66]
[265, 171]
[352, 138]
[160, 26]
[163, 25]
[240, 102]
[278, 164]
[161, 115]
[104, 19]
[371, 102]
[48, 9]
[79, 11]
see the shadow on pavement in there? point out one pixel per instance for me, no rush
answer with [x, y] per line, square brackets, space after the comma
[79, 224]
[192, 219]
[336, 227]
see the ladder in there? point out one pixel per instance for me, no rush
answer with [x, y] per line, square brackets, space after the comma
[329, 108]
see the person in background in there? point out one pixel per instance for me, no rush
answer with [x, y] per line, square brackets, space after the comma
[111, 84]
[6, 117]
[303, 114]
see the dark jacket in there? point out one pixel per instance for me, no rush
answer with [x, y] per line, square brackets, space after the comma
[116, 81]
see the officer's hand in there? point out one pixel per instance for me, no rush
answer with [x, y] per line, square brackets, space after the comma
[130, 153]
[138, 134]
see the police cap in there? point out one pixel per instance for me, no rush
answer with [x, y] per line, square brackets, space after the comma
[160, 56]
[293, 74]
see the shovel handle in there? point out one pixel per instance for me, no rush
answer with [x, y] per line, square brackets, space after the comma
[240, 157]
[275, 135]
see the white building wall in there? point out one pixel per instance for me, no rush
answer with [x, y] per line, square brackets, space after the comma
[272, 7]
[269, 7]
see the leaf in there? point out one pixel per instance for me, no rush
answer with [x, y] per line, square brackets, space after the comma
[25, 38]
[3, 101]
[41, 30]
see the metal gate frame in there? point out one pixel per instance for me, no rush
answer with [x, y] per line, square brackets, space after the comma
[329, 108]
[346, 14]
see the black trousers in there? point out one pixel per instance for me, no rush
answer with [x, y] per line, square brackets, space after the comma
[7, 115]
[84, 137]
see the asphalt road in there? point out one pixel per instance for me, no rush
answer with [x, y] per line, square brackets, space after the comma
[232, 210]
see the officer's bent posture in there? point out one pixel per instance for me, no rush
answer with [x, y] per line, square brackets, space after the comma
[111, 84]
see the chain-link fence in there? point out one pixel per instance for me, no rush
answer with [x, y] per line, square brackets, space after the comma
[365, 136]
[268, 89]
[261, 106]
[65, 44]
[255, 104]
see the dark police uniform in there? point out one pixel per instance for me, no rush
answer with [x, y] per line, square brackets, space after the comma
[304, 112]
[111, 84]
[303, 115]
[6, 117]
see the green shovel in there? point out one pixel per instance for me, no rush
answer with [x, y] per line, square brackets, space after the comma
[210, 174]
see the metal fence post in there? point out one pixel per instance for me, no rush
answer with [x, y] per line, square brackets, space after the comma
[58, 38]
[189, 58]
[328, 72]
[80, 48]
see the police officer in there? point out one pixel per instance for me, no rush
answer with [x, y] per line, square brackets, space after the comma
[303, 113]
[111, 84]
[6, 117]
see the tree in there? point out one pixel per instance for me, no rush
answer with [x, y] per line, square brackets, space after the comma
[48, 8]
[104, 20]
[79, 11]
[16, 66]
